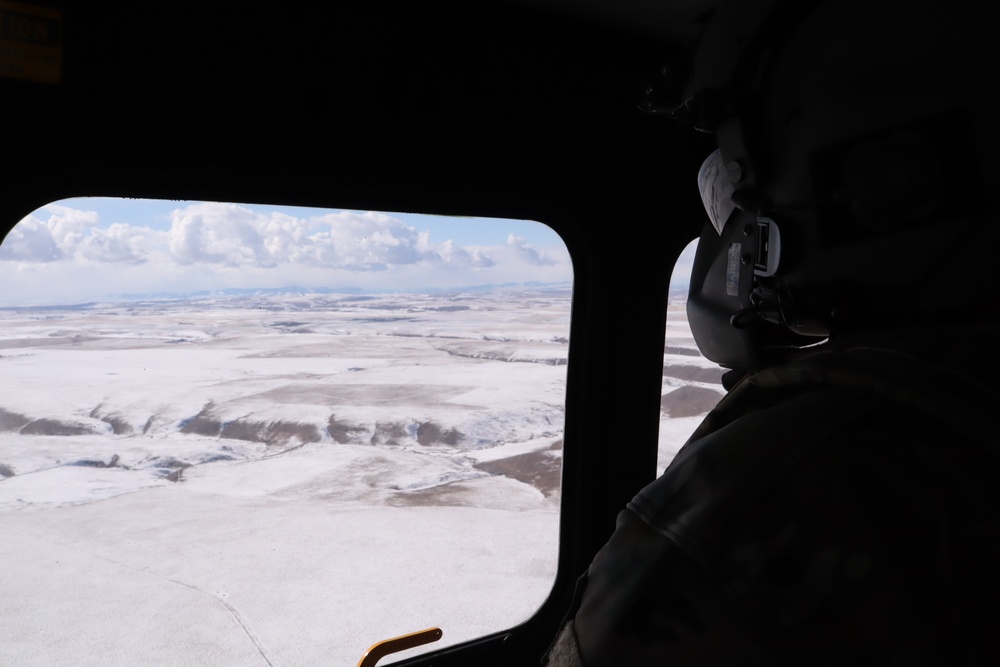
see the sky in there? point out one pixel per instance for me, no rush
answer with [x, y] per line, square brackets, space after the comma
[88, 249]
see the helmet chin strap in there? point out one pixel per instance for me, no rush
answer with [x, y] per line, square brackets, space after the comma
[775, 303]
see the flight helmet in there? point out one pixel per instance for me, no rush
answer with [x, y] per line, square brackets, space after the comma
[851, 167]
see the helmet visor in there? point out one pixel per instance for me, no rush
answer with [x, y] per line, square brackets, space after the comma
[716, 190]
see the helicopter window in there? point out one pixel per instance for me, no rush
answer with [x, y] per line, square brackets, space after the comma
[692, 385]
[274, 432]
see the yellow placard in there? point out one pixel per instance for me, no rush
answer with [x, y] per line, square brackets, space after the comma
[31, 42]
[384, 648]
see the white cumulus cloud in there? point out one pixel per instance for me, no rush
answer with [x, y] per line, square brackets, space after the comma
[528, 253]
[217, 245]
[30, 241]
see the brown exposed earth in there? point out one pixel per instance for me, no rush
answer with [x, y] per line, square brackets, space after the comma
[388, 433]
[203, 423]
[457, 494]
[55, 427]
[269, 432]
[430, 433]
[541, 469]
[362, 394]
[694, 373]
[690, 401]
[342, 432]
[11, 421]
[118, 425]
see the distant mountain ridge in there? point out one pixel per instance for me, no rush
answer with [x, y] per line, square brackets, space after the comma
[290, 290]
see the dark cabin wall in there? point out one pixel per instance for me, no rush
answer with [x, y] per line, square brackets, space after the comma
[480, 108]
[446, 100]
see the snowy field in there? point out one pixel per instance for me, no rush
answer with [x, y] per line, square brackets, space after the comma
[286, 479]
[692, 385]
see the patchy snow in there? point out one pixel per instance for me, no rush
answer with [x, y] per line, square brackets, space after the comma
[283, 480]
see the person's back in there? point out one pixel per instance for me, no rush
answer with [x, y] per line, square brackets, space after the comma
[831, 511]
[841, 505]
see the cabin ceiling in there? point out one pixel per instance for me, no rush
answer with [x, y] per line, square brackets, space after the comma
[352, 104]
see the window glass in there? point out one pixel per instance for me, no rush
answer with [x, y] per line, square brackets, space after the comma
[236, 434]
[692, 385]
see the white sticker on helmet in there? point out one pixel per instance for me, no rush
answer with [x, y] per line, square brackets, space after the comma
[716, 190]
[733, 269]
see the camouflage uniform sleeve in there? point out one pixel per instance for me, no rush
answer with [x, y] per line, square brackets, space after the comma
[648, 603]
[804, 533]
[565, 651]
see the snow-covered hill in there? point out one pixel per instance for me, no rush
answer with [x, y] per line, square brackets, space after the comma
[285, 479]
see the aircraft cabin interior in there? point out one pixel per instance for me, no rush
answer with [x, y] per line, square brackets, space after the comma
[544, 110]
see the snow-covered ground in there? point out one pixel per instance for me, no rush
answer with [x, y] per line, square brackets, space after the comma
[692, 384]
[286, 479]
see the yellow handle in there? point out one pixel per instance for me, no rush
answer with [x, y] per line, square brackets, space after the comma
[384, 648]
